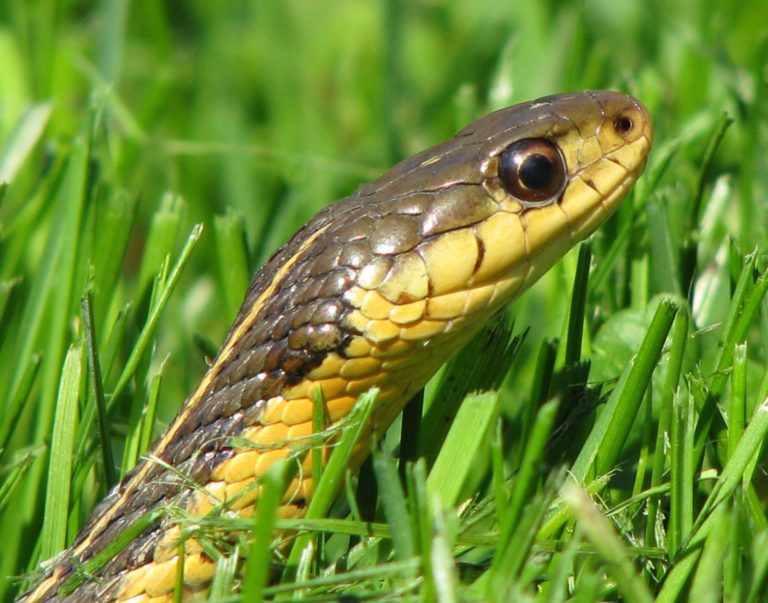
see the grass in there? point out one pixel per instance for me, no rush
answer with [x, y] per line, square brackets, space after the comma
[618, 423]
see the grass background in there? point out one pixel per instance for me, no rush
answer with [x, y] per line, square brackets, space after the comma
[125, 124]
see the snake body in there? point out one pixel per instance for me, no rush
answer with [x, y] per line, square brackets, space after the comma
[378, 289]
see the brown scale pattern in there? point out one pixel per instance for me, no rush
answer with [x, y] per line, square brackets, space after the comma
[378, 289]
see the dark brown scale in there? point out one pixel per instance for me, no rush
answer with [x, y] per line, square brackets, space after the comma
[412, 205]
[133, 556]
[192, 443]
[293, 363]
[325, 338]
[395, 234]
[252, 336]
[460, 207]
[355, 255]
[281, 328]
[358, 229]
[254, 390]
[303, 315]
[321, 338]
[249, 363]
[326, 312]
[324, 262]
[298, 338]
[446, 168]
[270, 386]
[225, 402]
[309, 292]
[206, 436]
[335, 284]
[259, 333]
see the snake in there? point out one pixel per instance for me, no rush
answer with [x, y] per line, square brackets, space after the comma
[377, 290]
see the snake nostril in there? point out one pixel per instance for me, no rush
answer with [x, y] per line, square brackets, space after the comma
[623, 124]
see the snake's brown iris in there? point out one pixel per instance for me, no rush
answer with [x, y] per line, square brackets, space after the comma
[377, 290]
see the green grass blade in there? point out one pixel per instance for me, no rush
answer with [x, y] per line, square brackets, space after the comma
[54, 534]
[525, 481]
[156, 311]
[395, 507]
[734, 471]
[467, 437]
[161, 241]
[13, 472]
[613, 553]
[609, 433]
[681, 471]
[232, 255]
[109, 115]
[738, 400]
[97, 389]
[227, 572]
[707, 583]
[15, 405]
[575, 332]
[260, 552]
[116, 545]
[759, 557]
[482, 366]
[23, 139]
[677, 348]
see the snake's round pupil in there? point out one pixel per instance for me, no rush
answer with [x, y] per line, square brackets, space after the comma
[533, 170]
[536, 172]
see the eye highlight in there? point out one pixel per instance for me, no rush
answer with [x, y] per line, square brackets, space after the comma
[533, 170]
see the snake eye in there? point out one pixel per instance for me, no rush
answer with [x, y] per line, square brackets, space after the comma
[533, 170]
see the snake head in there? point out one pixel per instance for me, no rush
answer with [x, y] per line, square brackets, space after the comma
[505, 198]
